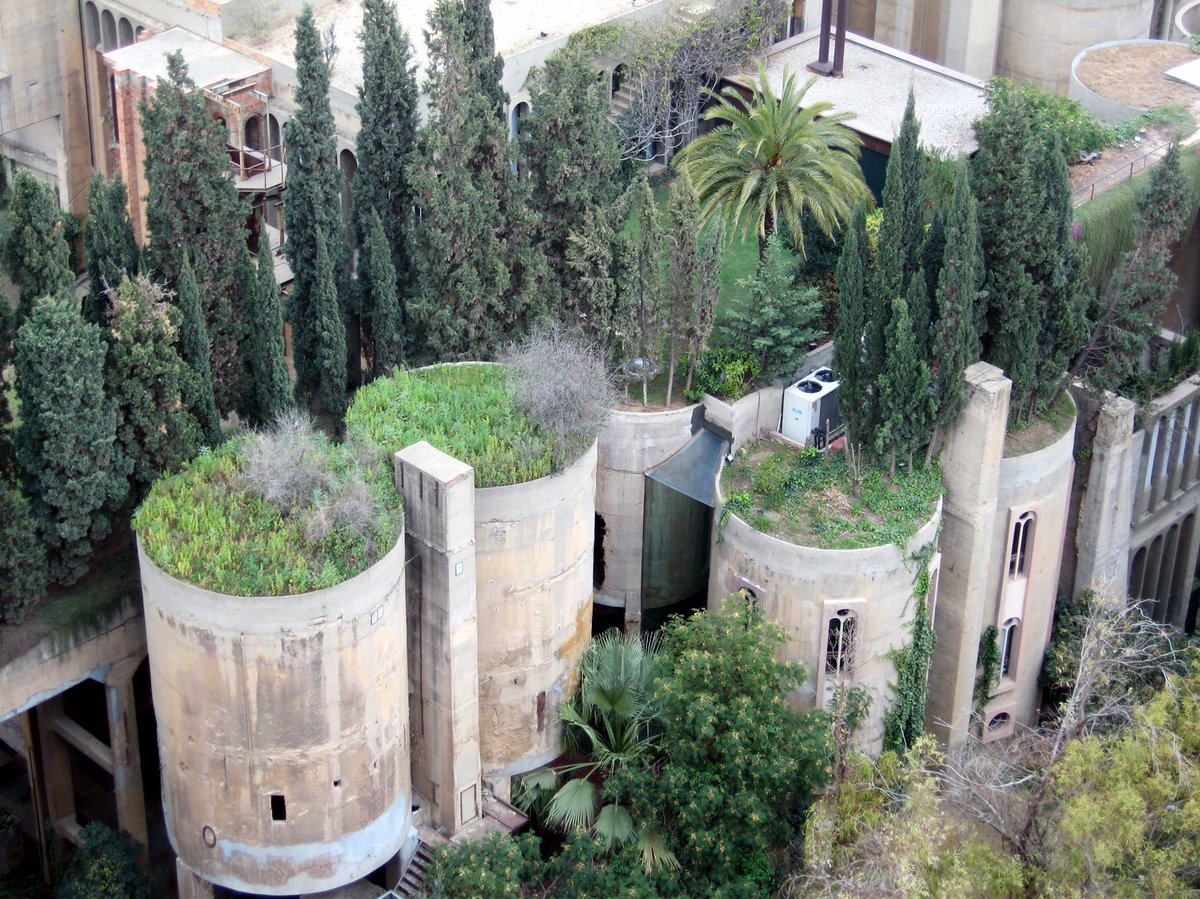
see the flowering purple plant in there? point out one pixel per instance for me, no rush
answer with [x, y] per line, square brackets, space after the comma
[1076, 229]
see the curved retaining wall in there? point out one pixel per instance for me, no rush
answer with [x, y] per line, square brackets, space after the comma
[798, 587]
[1187, 20]
[301, 697]
[1039, 38]
[1100, 106]
[629, 444]
[533, 575]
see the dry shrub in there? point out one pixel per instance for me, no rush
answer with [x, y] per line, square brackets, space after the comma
[286, 464]
[560, 382]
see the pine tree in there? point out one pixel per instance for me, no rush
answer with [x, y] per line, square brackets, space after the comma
[684, 268]
[268, 361]
[903, 401]
[329, 333]
[570, 156]
[112, 252]
[901, 233]
[194, 348]
[387, 143]
[313, 205]
[955, 341]
[36, 255]
[193, 207]
[776, 318]
[146, 378]
[66, 443]
[477, 269]
[849, 359]
[486, 64]
[377, 276]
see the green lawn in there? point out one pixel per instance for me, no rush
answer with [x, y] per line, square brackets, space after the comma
[84, 606]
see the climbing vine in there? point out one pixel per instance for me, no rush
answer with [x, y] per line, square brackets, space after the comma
[905, 720]
[988, 663]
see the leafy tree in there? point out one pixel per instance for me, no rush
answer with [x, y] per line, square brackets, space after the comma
[377, 276]
[902, 384]
[902, 231]
[105, 867]
[112, 252]
[570, 156]
[387, 142]
[23, 571]
[193, 209]
[66, 444]
[772, 157]
[194, 348]
[265, 361]
[36, 255]
[477, 269]
[329, 335]
[850, 360]
[737, 758]
[313, 209]
[775, 319]
[494, 868]
[146, 379]
[955, 343]
[685, 268]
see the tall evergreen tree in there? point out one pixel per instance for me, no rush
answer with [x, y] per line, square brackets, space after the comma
[313, 205]
[377, 276]
[646, 286]
[849, 359]
[919, 313]
[1010, 208]
[146, 380]
[934, 250]
[329, 335]
[23, 571]
[902, 231]
[592, 257]
[112, 252]
[66, 445]
[195, 349]
[478, 271]
[193, 206]
[387, 142]
[711, 252]
[265, 362]
[685, 268]
[903, 402]
[570, 156]
[487, 66]
[36, 255]
[955, 341]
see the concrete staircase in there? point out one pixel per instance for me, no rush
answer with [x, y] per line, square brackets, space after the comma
[621, 102]
[413, 881]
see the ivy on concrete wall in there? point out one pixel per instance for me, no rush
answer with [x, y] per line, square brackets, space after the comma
[905, 720]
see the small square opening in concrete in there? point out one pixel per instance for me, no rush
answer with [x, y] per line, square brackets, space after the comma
[278, 807]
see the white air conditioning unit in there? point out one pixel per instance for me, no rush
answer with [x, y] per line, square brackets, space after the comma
[809, 404]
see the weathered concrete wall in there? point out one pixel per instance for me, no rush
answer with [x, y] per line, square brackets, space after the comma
[800, 587]
[1106, 509]
[533, 566]
[1103, 108]
[1038, 482]
[1039, 38]
[301, 697]
[748, 417]
[629, 444]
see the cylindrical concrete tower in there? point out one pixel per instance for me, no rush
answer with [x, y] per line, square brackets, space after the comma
[283, 728]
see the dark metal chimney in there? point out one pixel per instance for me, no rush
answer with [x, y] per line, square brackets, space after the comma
[823, 66]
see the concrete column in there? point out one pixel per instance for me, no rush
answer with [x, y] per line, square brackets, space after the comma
[970, 472]
[127, 760]
[1106, 512]
[972, 36]
[191, 885]
[55, 770]
[439, 513]
[29, 730]
[894, 23]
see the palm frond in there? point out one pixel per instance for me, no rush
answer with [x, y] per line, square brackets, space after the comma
[573, 806]
[614, 827]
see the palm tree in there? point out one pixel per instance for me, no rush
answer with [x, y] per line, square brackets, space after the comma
[771, 158]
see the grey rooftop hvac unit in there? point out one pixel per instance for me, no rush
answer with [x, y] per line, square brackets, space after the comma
[810, 405]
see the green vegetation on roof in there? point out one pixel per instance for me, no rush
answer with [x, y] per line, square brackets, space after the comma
[297, 516]
[805, 498]
[464, 410]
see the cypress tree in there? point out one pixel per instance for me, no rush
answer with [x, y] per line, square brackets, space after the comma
[23, 571]
[329, 336]
[194, 348]
[901, 233]
[704, 301]
[146, 378]
[685, 269]
[487, 65]
[903, 402]
[194, 208]
[934, 250]
[112, 252]
[919, 313]
[646, 287]
[591, 255]
[378, 279]
[36, 255]
[268, 362]
[570, 156]
[955, 341]
[387, 142]
[313, 205]
[848, 358]
[66, 444]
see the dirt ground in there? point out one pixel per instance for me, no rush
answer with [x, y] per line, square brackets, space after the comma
[1132, 74]
[1117, 164]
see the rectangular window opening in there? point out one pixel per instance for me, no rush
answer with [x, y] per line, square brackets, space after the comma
[278, 807]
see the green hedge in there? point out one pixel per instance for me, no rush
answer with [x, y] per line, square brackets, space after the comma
[1109, 222]
[464, 410]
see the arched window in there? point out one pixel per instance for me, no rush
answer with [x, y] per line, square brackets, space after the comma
[253, 132]
[1009, 640]
[108, 31]
[224, 127]
[91, 24]
[520, 111]
[618, 78]
[840, 642]
[125, 32]
[1021, 545]
[999, 721]
[274, 139]
[138, 32]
